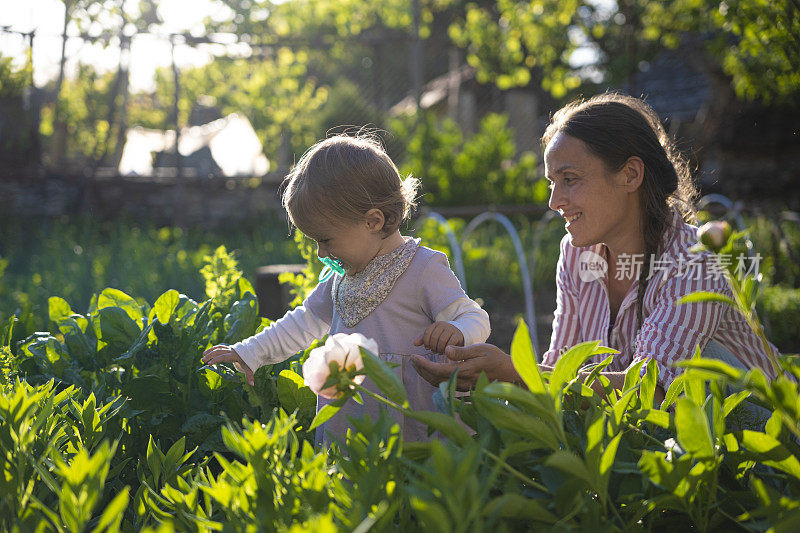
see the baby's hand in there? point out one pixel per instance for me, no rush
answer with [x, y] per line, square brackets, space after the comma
[222, 353]
[440, 335]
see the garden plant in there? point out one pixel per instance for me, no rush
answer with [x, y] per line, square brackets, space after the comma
[109, 422]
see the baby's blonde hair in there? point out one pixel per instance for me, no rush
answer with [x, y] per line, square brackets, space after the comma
[341, 178]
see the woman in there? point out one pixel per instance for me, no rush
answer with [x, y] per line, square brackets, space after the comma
[623, 190]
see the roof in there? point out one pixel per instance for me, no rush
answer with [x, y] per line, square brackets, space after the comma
[671, 86]
[433, 92]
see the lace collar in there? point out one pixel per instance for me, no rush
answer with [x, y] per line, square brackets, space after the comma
[358, 295]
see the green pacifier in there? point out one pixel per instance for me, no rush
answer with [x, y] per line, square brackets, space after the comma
[331, 266]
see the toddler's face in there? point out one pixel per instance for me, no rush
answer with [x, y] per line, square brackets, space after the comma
[352, 243]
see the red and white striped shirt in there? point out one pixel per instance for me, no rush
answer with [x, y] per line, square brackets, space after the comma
[669, 333]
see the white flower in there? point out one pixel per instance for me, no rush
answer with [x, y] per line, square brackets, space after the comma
[342, 349]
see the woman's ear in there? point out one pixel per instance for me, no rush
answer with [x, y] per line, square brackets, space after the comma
[633, 173]
[375, 220]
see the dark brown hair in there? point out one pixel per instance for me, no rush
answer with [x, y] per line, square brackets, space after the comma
[341, 178]
[616, 127]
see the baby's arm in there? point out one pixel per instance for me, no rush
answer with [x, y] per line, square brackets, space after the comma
[469, 318]
[456, 318]
[292, 333]
[461, 323]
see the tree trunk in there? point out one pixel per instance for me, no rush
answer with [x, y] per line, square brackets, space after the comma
[59, 145]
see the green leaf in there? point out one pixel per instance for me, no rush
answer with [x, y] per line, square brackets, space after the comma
[434, 517]
[540, 405]
[633, 376]
[116, 298]
[660, 471]
[732, 401]
[154, 459]
[673, 391]
[599, 367]
[789, 522]
[654, 416]
[694, 382]
[165, 305]
[609, 455]
[114, 326]
[293, 394]
[569, 463]
[647, 390]
[774, 425]
[706, 296]
[512, 419]
[769, 451]
[621, 406]
[693, 430]
[327, 412]
[174, 454]
[384, 377]
[446, 425]
[524, 359]
[113, 513]
[714, 368]
[243, 319]
[512, 505]
[58, 309]
[568, 364]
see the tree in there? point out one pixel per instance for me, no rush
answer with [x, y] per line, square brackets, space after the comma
[755, 43]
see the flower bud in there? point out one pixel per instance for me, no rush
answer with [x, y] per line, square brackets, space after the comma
[714, 235]
[339, 349]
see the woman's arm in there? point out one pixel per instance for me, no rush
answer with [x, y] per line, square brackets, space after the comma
[470, 361]
[473, 360]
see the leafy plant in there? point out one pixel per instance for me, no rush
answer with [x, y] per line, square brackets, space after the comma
[455, 170]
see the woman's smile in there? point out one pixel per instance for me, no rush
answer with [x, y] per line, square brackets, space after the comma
[571, 219]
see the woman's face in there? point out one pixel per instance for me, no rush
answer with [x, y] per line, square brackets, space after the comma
[598, 204]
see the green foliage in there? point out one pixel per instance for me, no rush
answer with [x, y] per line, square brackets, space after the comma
[275, 94]
[83, 108]
[457, 171]
[780, 311]
[109, 422]
[13, 80]
[303, 283]
[16, 127]
[514, 43]
[54, 462]
[754, 41]
[74, 258]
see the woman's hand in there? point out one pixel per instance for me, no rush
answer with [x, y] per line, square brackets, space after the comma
[222, 353]
[470, 361]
